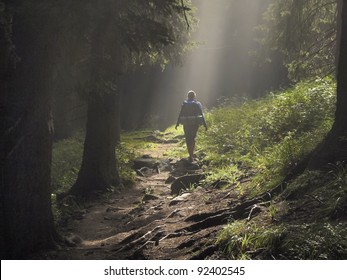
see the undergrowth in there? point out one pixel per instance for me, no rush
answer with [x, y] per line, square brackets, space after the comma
[268, 137]
[264, 140]
[242, 240]
[66, 162]
[313, 225]
[320, 241]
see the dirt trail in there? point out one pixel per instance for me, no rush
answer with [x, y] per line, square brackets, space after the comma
[148, 222]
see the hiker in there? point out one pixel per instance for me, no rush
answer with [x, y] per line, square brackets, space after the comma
[191, 116]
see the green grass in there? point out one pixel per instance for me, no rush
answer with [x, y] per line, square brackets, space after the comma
[269, 136]
[304, 241]
[314, 228]
[319, 241]
[136, 140]
[242, 240]
[66, 162]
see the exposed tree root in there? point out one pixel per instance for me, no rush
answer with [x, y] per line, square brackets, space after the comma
[240, 211]
[200, 221]
[192, 241]
[208, 251]
[141, 240]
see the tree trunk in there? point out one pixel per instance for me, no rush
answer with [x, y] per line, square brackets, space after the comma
[99, 167]
[118, 127]
[334, 146]
[26, 132]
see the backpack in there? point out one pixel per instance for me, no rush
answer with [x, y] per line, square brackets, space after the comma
[191, 114]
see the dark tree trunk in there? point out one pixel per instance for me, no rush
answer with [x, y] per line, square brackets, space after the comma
[334, 146]
[118, 127]
[338, 33]
[62, 102]
[26, 132]
[99, 167]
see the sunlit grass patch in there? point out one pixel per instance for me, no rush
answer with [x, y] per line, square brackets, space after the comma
[271, 135]
[226, 175]
[179, 150]
[138, 140]
[125, 158]
[319, 241]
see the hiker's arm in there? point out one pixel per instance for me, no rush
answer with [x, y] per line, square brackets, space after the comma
[203, 116]
[178, 119]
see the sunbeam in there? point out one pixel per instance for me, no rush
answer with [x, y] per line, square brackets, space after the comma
[221, 65]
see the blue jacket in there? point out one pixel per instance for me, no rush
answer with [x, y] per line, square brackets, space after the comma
[191, 108]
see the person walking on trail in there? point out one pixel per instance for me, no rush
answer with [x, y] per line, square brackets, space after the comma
[191, 117]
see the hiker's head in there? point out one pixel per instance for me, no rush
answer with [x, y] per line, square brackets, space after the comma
[191, 95]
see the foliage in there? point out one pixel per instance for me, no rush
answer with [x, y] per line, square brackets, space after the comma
[311, 226]
[305, 33]
[134, 33]
[328, 188]
[242, 240]
[136, 141]
[321, 241]
[269, 136]
[125, 159]
[226, 175]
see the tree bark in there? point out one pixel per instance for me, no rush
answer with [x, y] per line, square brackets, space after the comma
[99, 167]
[26, 132]
[99, 170]
[334, 146]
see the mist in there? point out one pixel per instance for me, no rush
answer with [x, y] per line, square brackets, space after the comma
[222, 66]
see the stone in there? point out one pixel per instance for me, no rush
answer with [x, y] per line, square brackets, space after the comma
[184, 182]
[148, 197]
[145, 162]
[179, 199]
[170, 179]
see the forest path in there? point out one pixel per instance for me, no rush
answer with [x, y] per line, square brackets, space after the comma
[147, 221]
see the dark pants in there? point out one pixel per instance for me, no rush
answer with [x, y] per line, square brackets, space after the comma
[190, 132]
